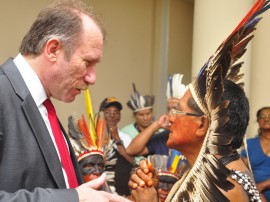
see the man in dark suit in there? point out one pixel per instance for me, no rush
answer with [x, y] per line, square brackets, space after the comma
[57, 59]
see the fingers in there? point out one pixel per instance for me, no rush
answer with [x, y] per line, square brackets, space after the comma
[140, 178]
[143, 175]
[144, 194]
[164, 122]
[149, 166]
[98, 182]
[132, 185]
[152, 174]
[137, 179]
[144, 166]
[155, 179]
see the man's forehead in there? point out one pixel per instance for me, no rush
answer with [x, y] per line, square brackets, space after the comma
[92, 158]
[183, 102]
[144, 111]
[173, 104]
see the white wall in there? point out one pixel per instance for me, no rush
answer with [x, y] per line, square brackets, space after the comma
[134, 50]
[131, 53]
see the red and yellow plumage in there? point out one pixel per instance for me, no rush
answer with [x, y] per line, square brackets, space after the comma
[87, 137]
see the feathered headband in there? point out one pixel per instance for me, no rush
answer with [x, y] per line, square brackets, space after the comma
[175, 88]
[87, 139]
[208, 86]
[208, 175]
[138, 102]
[174, 165]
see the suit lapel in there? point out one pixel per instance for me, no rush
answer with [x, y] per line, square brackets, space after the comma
[44, 140]
[36, 122]
[73, 157]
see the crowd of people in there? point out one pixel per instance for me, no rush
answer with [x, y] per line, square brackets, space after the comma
[189, 154]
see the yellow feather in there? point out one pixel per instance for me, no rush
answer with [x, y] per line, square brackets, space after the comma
[175, 163]
[89, 108]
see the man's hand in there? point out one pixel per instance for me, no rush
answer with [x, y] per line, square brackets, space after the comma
[163, 122]
[87, 192]
[145, 194]
[145, 174]
[143, 182]
[114, 132]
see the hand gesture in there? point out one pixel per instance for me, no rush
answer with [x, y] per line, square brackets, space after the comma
[143, 183]
[87, 192]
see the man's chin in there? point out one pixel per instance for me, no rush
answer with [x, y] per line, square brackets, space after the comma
[170, 141]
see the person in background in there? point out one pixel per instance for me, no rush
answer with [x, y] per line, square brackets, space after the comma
[57, 59]
[142, 107]
[148, 142]
[213, 176]
[111, 108]
[169, 169]
[92, 152]
[209, 127]
[258, 153]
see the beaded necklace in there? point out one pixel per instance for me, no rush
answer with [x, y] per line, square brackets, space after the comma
[248, 185]
[228, 159]
[242, 178]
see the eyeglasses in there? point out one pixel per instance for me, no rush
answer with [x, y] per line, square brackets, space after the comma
[175, 112]
[108, 113]
[264, 116]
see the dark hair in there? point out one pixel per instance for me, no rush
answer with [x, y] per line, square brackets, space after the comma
[62, 20]
[257, 116]
[259, 112]
[238, 112]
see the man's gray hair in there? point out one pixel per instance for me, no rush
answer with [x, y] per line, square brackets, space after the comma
[62, 20]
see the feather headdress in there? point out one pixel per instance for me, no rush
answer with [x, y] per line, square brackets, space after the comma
[174, 165]
[87, 138]
[138, 102]
[175, 88]
[208, 175]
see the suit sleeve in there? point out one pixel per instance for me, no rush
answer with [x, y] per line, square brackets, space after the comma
[41, 195]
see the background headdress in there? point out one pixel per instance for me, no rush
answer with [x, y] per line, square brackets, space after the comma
[174, 165]
[138, 102]
[88, 138]
[175, 88]
[209, 175]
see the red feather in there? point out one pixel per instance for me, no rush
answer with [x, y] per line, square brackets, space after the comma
[85, 131]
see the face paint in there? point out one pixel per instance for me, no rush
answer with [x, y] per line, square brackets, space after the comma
[92, 166]
[164, 186]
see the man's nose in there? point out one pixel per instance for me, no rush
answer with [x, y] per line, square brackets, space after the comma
[90, 77]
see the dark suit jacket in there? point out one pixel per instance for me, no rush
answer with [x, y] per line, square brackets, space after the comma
[28, 159]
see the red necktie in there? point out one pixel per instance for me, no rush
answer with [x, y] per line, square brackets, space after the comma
[61, 144]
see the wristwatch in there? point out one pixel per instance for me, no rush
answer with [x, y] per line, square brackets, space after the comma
[120, 142]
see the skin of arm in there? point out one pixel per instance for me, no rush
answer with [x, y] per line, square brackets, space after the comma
[260, 186]
[137, 147]
[143, 179]
[263, 185]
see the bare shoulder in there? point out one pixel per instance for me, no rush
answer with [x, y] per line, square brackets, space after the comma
[239, 178]
[237, 193]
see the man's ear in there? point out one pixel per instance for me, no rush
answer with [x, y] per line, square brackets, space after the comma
[203, 126]
[52, 48]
